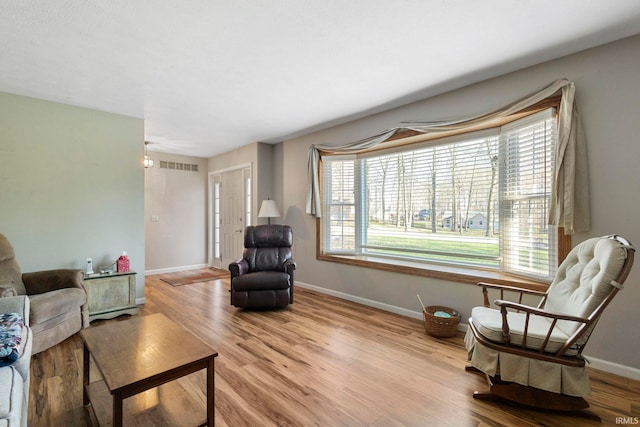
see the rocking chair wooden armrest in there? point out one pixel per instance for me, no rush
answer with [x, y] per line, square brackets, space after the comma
[505, 288]
[506, 334]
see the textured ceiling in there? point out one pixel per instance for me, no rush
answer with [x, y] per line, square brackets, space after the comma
[210, 75]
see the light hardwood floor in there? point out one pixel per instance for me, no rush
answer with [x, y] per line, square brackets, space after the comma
[322, 361]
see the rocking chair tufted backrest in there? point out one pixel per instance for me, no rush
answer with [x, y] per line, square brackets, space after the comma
[590, 275]
[267, 247]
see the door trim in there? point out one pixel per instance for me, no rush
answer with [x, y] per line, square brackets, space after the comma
[212, 261]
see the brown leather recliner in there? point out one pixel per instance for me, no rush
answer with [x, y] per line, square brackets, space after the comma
[263, 277]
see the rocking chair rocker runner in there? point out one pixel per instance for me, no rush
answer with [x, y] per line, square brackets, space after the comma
[533, 355]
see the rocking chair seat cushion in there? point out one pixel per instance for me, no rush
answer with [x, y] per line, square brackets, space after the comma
[488, 322]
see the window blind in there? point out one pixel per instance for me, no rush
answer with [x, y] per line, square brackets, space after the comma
[338, 181]
[529, 243]
[479, 199]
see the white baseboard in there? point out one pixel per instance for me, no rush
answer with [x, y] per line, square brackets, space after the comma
[599, 364]
[613, 368]
[364, 301]
[174, 269]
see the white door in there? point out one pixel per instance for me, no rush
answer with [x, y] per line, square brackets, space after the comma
[232, 213]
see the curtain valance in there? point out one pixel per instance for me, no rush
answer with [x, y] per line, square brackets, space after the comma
[570, 195]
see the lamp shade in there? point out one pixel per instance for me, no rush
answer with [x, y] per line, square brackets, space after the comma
[268, 209]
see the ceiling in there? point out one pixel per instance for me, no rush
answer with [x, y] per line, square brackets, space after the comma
[208, 76]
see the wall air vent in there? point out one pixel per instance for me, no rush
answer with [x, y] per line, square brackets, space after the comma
[178, 166]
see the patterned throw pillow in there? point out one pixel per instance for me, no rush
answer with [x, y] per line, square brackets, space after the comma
[11, 325]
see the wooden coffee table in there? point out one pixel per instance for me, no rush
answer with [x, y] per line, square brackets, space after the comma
[140, 354]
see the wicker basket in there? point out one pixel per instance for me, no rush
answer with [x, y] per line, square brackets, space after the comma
[441, 327]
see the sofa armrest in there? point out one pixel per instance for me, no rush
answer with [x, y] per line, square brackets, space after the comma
[239, 267]
[18, 304]
[39, 282]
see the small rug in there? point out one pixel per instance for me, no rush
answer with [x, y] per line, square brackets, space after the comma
[205, 276]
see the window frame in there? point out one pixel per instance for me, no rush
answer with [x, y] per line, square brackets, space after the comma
[459, 274]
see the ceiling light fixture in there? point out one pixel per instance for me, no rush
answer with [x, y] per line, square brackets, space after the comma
[148, 162]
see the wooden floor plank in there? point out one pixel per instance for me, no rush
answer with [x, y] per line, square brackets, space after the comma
[322, 361]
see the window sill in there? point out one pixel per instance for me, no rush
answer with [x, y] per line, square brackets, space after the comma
[435, 271]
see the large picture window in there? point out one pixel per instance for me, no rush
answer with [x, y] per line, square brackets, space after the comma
[478, 200]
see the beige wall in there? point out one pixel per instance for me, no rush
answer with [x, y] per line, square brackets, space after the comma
[175, 214]
[71, 185]
[608, 96]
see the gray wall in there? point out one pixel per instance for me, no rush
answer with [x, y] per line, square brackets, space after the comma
[264, 175]
[71, 185]
[245, 155]
[608, 96]
[176, 199]
[261, 158]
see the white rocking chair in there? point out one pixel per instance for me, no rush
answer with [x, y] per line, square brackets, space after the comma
[533, 355]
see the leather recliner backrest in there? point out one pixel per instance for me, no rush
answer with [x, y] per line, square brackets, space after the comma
[267, 247]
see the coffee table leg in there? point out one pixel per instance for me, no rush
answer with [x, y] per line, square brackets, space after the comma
[210, 393]
[85, 375]
[117, 410]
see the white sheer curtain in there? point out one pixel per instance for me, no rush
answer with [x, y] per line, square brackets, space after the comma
[570, 196]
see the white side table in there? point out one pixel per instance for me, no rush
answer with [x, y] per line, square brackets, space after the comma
[110, 295]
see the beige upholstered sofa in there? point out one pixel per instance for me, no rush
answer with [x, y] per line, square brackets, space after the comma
[58, 298]
[14, 378]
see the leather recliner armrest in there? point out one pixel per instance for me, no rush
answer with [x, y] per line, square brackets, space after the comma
[239, 267]
[39, 282]
[289, 265]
